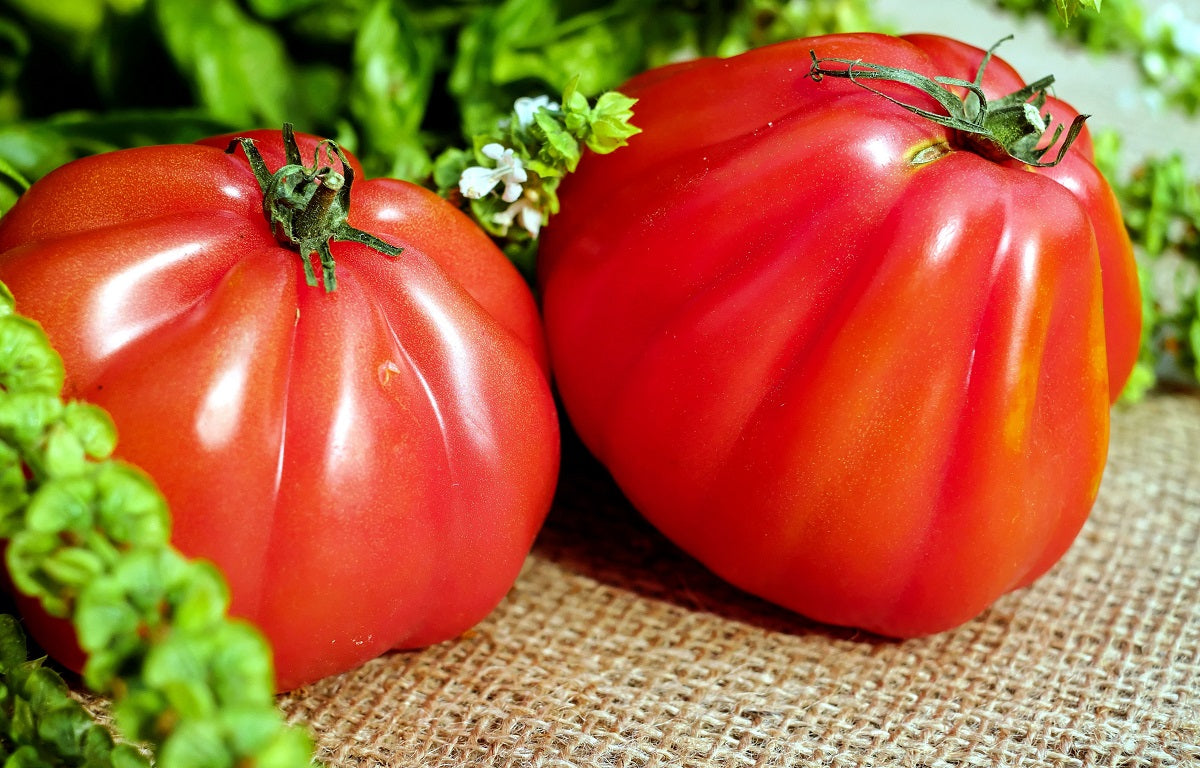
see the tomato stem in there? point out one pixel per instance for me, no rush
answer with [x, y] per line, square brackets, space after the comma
[307, 206]
[1012, 126]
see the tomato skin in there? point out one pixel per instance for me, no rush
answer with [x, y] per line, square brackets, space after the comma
[368, 467]
[870, 391]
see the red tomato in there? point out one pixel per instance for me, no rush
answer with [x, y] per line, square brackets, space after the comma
[873, 391]
[368, 466]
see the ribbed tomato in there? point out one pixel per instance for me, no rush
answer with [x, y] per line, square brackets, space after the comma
[367, 465]
[848, 358]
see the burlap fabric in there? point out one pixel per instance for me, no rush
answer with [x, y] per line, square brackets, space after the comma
[614, 649]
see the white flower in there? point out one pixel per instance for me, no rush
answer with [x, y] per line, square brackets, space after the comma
[477, 181]
[525, 108]
[526, 210]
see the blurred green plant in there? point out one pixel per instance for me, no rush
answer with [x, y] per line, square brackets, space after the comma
[1164, 43]
[1161, 204]
[43, 725]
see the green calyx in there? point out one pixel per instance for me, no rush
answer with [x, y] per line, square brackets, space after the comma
[307, 207]
[1009, 127]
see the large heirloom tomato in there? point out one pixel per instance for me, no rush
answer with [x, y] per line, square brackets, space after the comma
[853, 360]
[368, 466]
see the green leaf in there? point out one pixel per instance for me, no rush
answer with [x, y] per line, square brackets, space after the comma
[1194, 341]
[25, 417]
[1161, 204]
[147, 575]
[8, 304]
[97, 744]
[13, 493]
[525, 47]
[14, 48]
[23, 726]
[130, 508]
[289, 748]
[74, 20]
[111, 664]
[26, 552]
[177, 667]
[199, 599]
[27, 363]
[103, 615]
[63, 452]
[92, 427]
[12, 185]
[195, 745]
[1069, 9]
[240, 665]
[1141, 381]
[26, 757]
[64, 728]
[139, 713]
[239, 68]
[610, 121]
[13, 650]
[61, 505]
[126, 756]
[45, 689]
[35, 147]
[448, 168]
[560, 146]
[74, 567]
[251, 729]
[279, 9]
[390, 87]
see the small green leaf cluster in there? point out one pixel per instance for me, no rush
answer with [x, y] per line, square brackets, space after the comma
[1069, 9]
[41, 724]
[89, 536]
[547, 140]
[603, 127]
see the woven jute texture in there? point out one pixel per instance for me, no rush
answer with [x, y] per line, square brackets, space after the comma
[614, 649]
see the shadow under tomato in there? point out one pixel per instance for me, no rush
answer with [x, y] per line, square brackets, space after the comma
[593, 530]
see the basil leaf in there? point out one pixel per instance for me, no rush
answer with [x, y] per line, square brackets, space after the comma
[278, 9]
[390, 86]
[34, 148]
[239, 68]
